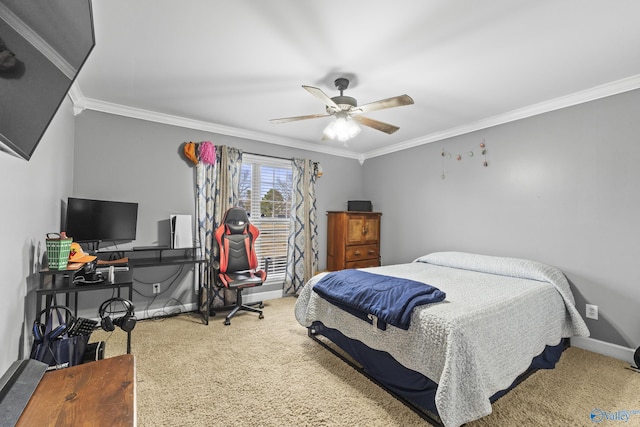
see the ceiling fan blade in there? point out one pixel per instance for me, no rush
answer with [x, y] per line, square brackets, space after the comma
[293, 119]
[318, 93]
[375, 124]
[396, 101]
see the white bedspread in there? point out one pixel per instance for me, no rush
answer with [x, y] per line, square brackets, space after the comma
[499, 313]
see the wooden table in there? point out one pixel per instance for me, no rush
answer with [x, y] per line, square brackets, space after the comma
[100, 393]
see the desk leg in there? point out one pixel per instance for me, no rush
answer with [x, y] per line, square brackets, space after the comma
[75, 303]
[75, 297]
[129, 333]
[39, 303]
[203, 291]
[207, 290]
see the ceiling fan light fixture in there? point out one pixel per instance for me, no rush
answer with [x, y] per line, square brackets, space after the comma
[346, 110]
[342, 128]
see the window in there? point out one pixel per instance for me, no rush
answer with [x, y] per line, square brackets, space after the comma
[265, 193]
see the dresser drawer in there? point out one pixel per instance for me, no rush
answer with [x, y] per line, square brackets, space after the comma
[355, 253]
[374, 262]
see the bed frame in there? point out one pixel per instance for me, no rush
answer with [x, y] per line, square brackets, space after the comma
[545, 360]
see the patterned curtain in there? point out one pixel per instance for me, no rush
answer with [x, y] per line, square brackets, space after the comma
[302, 244]
[217, 188]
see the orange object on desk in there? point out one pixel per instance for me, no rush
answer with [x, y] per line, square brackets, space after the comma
[100, 393]
[74, 265]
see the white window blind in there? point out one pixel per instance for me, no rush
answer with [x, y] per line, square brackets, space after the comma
[265, 192]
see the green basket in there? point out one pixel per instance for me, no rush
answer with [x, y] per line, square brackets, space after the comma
[58, 251]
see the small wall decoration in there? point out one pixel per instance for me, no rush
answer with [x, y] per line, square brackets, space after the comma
[459, 157]
[190, 151]
[207, 152]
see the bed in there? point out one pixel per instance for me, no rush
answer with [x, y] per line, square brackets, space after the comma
[500, 318]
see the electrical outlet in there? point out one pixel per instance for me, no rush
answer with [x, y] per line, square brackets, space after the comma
[592, 311]
[156, 288]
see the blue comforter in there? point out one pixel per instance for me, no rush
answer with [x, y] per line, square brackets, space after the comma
[390, 299]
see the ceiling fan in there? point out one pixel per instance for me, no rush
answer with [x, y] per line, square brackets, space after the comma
[346, 109]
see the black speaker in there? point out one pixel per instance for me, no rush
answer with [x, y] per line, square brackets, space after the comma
[636, 357]
[39, 329]
[126, 322]
[359, 205]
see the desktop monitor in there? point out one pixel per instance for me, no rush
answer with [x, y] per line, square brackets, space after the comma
[101, 220]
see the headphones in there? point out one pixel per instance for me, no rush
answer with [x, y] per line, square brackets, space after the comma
[40, 330]
[126, 322]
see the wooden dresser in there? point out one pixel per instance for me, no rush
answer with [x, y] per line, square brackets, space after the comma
[353, 240]
[96, 394]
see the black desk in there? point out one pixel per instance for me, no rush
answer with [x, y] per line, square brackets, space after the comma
[54, 282]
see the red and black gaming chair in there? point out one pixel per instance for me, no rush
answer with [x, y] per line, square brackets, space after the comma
[238, 267]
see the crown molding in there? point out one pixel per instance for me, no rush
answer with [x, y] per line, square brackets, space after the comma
[42, 46]
[598, 92]
[613, 88]
[77, 98]
[141, 114]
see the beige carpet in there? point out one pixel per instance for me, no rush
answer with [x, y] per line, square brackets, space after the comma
[269, 373]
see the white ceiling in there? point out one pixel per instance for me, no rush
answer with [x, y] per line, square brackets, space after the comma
[230, 66]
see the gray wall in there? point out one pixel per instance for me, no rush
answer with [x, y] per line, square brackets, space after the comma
[561, 188]
[118, 158]
[31, 194]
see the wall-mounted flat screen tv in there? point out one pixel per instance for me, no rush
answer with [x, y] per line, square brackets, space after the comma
[43, 46]
[91, 220]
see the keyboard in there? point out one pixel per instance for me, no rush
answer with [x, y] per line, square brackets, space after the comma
[82, 326]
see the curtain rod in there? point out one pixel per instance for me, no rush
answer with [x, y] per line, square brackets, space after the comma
[273, 157]
[268, 155]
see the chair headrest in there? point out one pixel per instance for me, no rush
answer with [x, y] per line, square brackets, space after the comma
[236, 228]
[236, 216]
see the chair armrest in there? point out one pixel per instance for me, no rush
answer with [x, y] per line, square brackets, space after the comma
[267, 261]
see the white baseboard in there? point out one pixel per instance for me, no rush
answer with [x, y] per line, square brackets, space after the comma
[160, 311]
[607, 349]
[261, 296]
